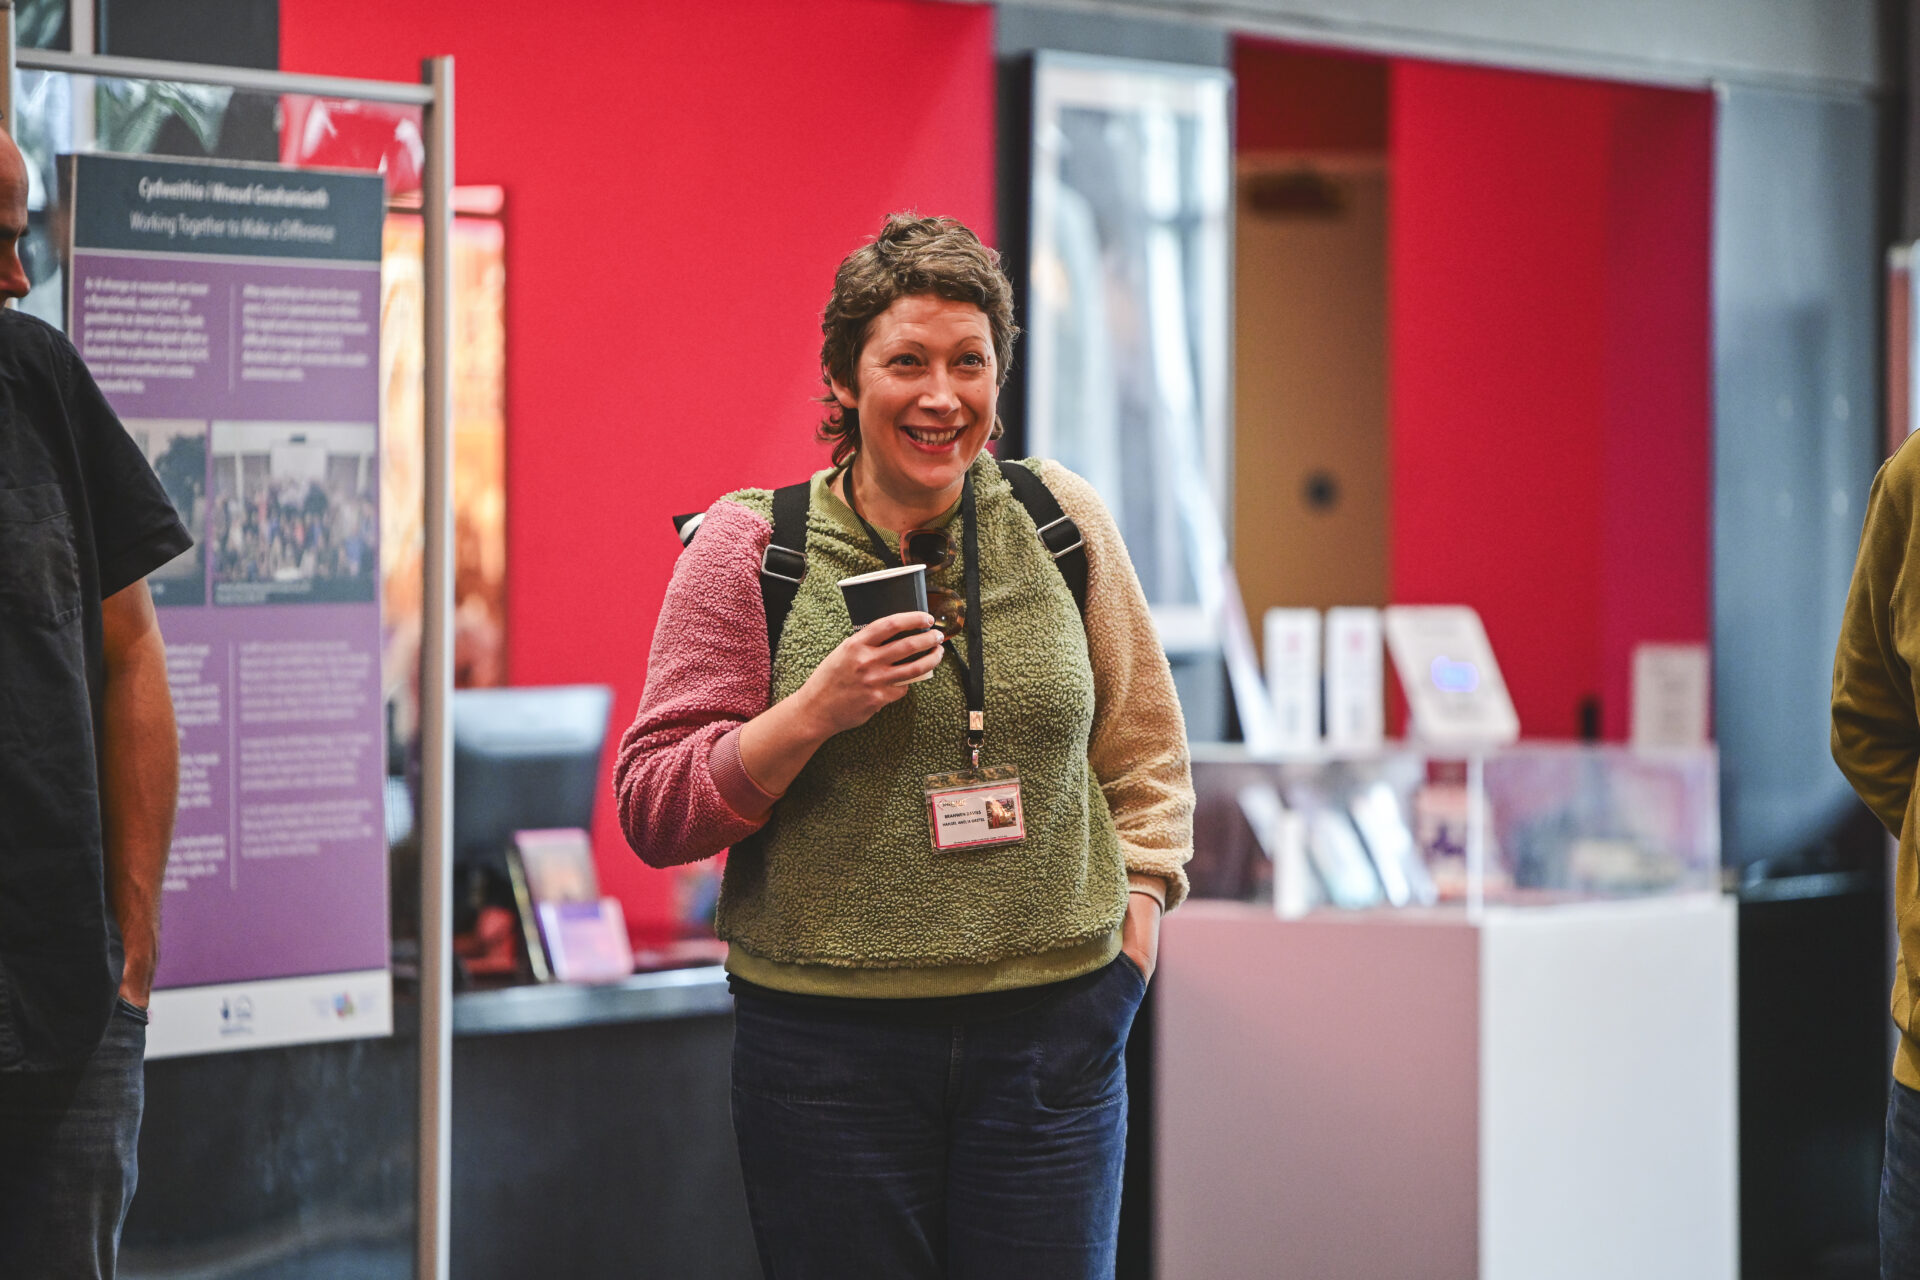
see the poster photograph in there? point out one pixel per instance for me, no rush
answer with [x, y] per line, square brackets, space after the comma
[294, 513]
[177, 451]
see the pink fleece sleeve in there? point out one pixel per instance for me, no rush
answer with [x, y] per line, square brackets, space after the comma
[682, 792]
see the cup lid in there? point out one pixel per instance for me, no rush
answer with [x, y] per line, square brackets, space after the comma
[879, 574]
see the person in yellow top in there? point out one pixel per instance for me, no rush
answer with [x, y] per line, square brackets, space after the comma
[1876, 743]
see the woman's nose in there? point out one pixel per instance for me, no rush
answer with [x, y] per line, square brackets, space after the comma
[940, 395]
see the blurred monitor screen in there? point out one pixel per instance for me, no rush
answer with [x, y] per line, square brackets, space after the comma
[524, 759]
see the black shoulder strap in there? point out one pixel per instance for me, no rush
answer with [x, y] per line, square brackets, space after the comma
[1058, 534]
[785, 561]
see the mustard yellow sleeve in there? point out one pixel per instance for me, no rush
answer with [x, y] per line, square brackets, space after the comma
[1876, 734]
[1138, 748]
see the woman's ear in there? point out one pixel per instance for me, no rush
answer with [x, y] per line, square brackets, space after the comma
[848, 398]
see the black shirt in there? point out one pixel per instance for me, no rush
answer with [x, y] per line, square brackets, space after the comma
[81, 517]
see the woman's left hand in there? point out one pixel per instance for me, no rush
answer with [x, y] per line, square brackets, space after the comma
[1140, 934]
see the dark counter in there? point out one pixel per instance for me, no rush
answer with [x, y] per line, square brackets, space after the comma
[644, 997]
[592, 1135]
[593, 1132]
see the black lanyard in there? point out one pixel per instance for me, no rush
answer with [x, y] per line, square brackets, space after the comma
[973, 670]
[974, 673]
[880, 547]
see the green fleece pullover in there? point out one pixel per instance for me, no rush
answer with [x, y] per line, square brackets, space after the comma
[834, 888]
[844, 874]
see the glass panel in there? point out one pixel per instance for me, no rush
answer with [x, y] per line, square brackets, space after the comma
[1129, 298]
[44, 129]
[294, 1161]
[43, 24]
[1796, 432]
[1562, 823]
[1127, 349]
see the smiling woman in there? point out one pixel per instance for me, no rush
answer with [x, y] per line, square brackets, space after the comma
[904, 931]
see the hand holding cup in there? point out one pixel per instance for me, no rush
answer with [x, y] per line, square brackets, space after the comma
[873, 596]
[872, 668]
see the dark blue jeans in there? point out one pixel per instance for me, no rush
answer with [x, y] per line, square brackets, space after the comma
[68, 1147]
[1900, 1188]
[987, 1150]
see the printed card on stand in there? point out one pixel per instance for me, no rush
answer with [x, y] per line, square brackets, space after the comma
[1453, 684]
[529, 917]
[586, 941]
[1292, 642]
[1671, 695]
[584, 934]
[1356, 688]
[559, 865]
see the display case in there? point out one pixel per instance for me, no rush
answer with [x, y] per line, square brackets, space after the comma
[1467, 1017]
[1531, 824]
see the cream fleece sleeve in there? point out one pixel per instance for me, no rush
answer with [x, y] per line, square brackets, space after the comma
[1139, 745]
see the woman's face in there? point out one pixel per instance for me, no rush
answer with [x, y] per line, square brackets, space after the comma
[927, 391]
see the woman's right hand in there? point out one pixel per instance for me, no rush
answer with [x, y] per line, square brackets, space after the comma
[859, 677]
[854, 681]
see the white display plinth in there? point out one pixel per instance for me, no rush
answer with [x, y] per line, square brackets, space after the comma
[1548, 1092]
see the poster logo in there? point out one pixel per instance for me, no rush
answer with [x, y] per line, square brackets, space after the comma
[236, 1016]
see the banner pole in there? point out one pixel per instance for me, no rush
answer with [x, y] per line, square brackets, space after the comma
[84, 33]
[247, 79]
[436, 689]
[7, 37]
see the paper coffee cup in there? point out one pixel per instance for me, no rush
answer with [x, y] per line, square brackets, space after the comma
[871, 596]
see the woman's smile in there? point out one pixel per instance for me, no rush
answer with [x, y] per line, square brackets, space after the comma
[933, 439]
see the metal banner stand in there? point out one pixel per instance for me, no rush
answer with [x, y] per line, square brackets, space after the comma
[435, 96]
[436, 691]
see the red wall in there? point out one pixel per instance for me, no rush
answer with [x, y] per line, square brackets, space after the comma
[681, 181]
[1549, 345]
[1657, 462]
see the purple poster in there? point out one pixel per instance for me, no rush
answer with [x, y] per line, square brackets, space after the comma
[231, 315]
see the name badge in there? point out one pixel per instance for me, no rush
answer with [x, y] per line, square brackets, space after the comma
[975, 808]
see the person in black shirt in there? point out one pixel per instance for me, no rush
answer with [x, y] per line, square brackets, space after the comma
[89, 769]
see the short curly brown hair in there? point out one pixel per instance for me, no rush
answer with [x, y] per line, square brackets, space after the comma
[911, 255]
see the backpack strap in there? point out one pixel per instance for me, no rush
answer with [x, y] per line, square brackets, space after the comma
[785, 561]
[1060, 535]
